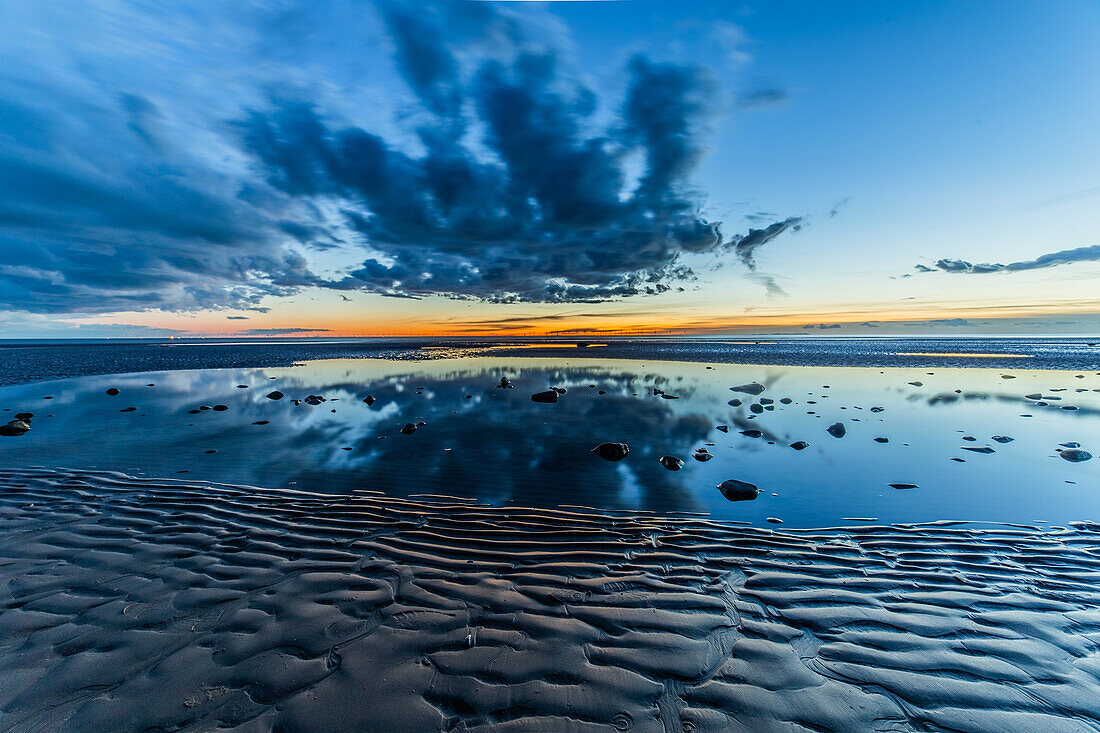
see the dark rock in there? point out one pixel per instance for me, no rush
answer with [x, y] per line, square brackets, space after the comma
[751, 433]
[221, 408]
[785, 400]
[24, 416]
[550, 396]
[668, 396]
[672, 463]
[370, 400]
[917, 384]
[14, 428]
[753, 388]
[239, 386]
[734, 403]
[1033, 396]
[904, 486]
[756, 408]
[559, 390]
[128, 409]
[882, 440]
[982, 449]
[193, 412]
[800, 445]
[877, 409]
[723, 428]
[314, 399]
[735, 490]
[1075, 455]
[112, 391]
[702, 455]
[837, 430]
[504, 383]
[409, 429]
[766, 400]
[261, 422]
[276, 395]
[970, 438]
[1002, 439]
[612, 451]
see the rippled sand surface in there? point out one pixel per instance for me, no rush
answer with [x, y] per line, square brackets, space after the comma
[136, 604]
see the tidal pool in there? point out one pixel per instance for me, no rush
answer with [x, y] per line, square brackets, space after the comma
[496, 445]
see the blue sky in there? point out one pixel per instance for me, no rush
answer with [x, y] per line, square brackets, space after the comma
[371, 168]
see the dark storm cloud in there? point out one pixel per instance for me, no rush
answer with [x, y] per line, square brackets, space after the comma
[511, 180]
[1063, 257]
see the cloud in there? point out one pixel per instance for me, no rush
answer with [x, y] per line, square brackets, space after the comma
[1064, 257]
[129, 181]
[237, 318]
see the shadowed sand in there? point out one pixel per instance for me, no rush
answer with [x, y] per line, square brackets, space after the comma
[135, 604]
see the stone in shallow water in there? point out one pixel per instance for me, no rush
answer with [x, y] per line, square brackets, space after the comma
[800, 445]
[370, 399]
[756, 408]
[723, 428]
[276, 395]
[702, 454]
[409, 429]
[753, 388]
[1075, 455]
[773, 520]
[672, 463]
[882, 440]
[752, 433]
[112, 391]
[903, 486]
[735, 490]
[982, 449]
[837, 430]
[612, 451]
[549, 397]
[734, 403]
[1002, 439]
[14, 428]
[917, 384]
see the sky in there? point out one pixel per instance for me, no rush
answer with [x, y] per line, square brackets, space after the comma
[282, 167]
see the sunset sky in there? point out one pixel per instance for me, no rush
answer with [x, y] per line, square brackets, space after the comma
[522, 168]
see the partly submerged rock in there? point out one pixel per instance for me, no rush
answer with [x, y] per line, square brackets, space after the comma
[734, 403]
[221, 408]
[672, 463]
[276, 395]
[14, 428]
[1073, 455]
[837, 430]
[612, 451]
[882, 440]
[723, 428]
[735, 490]
[800, 445]
[370, 399]
[549, 397]
[409, 429]
[504, 383]
[753, 388]
[1002, 439]
[982, 449]
[112, 391]
[752, 433]
[702, 454]
[904, 486]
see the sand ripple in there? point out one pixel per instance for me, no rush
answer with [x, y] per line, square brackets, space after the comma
[133, 604]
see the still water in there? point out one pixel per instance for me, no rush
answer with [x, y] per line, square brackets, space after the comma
[496, 445]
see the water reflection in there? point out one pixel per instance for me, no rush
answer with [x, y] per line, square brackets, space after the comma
[496, 445]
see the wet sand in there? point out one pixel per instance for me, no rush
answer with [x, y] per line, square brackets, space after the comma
[137, 604]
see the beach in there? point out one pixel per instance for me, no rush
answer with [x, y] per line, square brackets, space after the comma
[552, 542]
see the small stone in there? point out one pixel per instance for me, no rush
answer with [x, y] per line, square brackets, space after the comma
[904, 486]
[612, 451]
[221, 408]
[276, 395]
[409, 429]
[112, 391]
[837, 430]
[1075, 455]
[672, 463]
[753, 388]
[752, 433]
[548, 397]
[800, 445]
[735, 490]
